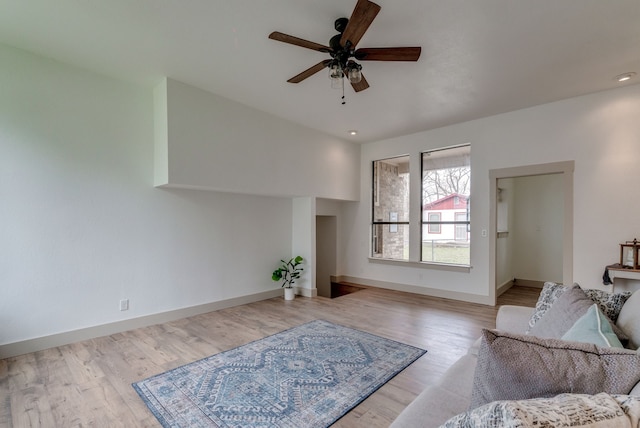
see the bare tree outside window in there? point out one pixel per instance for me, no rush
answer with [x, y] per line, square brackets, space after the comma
[436, 184]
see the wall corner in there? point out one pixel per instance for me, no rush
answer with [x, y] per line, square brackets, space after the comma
[160, 134]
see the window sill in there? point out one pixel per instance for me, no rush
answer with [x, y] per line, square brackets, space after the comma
[422, 265]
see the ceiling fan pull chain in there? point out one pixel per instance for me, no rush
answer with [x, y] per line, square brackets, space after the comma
[343, 101]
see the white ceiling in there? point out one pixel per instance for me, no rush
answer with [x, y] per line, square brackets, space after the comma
[479, 57]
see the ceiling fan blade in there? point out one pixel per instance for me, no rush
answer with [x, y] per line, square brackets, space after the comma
[292, 40]
[309, 71]
[361, 85]
[388, 54]
[363, 15]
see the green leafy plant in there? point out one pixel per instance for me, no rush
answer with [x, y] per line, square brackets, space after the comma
[288, 272]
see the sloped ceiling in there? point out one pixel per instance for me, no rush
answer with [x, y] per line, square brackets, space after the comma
[479, 57]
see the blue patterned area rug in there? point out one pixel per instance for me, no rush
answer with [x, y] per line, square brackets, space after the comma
[307, 376]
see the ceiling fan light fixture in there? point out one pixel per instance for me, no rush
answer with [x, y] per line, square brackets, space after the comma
[335, 71]
[336, 75]
[355, 76]
[353, 72]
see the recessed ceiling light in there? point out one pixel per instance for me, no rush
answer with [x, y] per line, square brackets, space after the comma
[353, 132]
[626, 76]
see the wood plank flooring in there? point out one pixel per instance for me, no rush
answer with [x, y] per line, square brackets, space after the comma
[88, 384]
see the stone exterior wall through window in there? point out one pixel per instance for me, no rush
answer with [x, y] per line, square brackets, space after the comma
[391, 177]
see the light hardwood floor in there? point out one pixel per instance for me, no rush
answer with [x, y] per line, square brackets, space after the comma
[88, 384]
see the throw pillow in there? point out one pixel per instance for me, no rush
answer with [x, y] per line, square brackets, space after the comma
[610, 303]
[570, 304]
[593, 327]
[565, 311]
[517, 367]
[565, 410]
[549, 294]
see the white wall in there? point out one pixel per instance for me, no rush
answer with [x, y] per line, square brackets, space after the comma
[599, 131]
[304, 243]
[214, 143]
[81, 225]
[538, 214]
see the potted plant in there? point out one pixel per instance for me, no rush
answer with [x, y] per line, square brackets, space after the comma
[288, 272]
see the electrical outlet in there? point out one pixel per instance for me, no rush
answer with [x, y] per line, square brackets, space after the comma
[124, 304]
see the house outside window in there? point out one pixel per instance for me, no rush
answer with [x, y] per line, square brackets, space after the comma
[446, 180]
[390, 211]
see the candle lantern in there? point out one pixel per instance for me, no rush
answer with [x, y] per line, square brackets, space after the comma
[629, 254]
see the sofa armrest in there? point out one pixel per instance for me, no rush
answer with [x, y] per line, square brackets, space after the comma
[514, 319]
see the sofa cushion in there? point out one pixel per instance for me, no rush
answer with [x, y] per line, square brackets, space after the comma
[514, 319]
[563, 313]
[565, 410]
[475, 346]
[629, 319]
[516, 367]
[438, 402]
[593, 327]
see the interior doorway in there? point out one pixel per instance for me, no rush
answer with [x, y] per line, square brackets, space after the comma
[529, 230]
[326, 253]
[503, 181]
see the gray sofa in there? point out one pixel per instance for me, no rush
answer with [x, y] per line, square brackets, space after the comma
[451, 395]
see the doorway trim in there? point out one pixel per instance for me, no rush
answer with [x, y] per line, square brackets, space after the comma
[565, 168]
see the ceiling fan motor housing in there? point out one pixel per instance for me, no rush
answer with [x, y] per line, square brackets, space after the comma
[340, 54]
[334, 43]
[341, 24]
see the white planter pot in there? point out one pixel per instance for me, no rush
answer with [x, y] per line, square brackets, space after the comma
[289, 293]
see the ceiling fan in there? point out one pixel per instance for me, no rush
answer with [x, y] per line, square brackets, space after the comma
[342, 48]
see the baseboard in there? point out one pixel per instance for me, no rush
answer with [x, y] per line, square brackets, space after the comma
[502, 288]
[306, 292]
[435, 292]
[46, 342]
[528, 283]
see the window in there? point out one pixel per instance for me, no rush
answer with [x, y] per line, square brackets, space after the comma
[434, 223]
[390, 213]
[461, 227]
[443, 228]
[446, 180]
